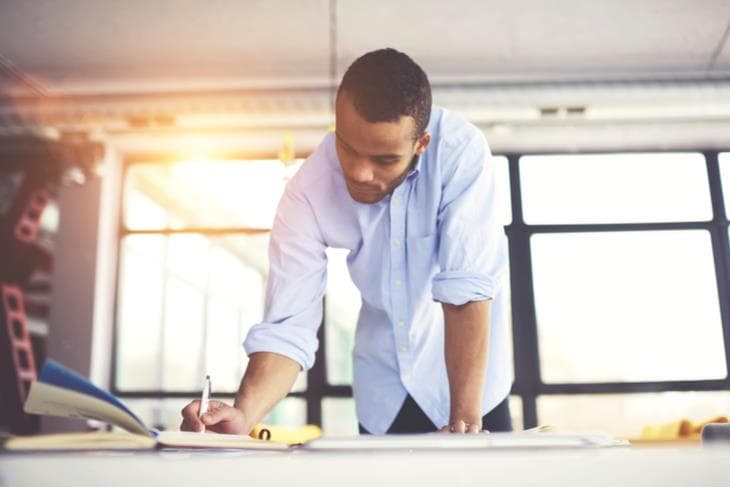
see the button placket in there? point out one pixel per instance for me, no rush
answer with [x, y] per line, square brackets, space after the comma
[399, 296]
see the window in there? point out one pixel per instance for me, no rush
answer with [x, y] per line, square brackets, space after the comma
[342, 308]
[615, 188]
[616, 262]
[592, 413]
[192, 276]
[618, 273]
[338, 416]
[627, 307]
[204, 194]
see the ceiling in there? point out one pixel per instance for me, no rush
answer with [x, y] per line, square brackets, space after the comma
[156, 68]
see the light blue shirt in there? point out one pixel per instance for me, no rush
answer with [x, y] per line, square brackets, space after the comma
[436, 239]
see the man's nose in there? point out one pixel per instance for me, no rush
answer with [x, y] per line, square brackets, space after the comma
[361, 172]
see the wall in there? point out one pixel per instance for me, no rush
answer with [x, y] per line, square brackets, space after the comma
[81, 315]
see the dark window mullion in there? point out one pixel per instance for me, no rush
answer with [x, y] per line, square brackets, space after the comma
[618, 227]
[121, 227]
[317, 377]
[720, 247]
[633, 387]
[524, 323]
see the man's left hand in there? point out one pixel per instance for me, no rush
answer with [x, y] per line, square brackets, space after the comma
[461, 426]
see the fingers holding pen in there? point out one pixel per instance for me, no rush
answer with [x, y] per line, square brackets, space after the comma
[191, 421]
[219, 418]
[217, 412]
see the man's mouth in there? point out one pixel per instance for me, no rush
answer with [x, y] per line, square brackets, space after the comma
[359, 188]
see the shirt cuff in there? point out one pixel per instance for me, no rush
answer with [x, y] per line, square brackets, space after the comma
[282, 339]
[460, 287]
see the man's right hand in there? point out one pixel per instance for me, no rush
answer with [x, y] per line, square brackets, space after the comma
[220, 418]
[268, 378]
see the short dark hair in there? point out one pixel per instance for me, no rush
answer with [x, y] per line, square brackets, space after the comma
[387, 84]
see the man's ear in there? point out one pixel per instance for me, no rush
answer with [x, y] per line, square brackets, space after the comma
[423, 142]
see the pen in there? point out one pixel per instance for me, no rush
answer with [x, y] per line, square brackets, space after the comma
[204, 397]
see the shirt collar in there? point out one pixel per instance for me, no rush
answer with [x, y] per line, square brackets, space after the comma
[416, 167]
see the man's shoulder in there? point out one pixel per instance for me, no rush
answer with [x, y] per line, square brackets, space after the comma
[318, 168]
[452, 133]
[451, 128]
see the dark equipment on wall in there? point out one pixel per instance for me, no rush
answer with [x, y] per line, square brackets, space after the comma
[41, 166]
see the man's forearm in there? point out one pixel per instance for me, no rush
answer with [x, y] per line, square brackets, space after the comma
[466, 340]
[269, 377]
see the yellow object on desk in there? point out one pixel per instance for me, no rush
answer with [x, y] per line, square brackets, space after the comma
[290, 436]
[683, 429]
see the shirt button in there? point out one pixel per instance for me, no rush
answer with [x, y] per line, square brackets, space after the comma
[396, 201]
[397, 282]
[396, 242]
[403, 349]
[401, 323]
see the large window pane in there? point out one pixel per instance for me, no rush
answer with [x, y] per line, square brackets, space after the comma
[223, 364]
[139, 313]
[724, 159]
[204, 194]
[183, 336]
[342, 306]
[615, 188]
[212, 289]
[142, 211]
[625, 415]
[290, 412]
[339, 417]
[627, 306]
[187, 258]
[503, 188]
[237, 276]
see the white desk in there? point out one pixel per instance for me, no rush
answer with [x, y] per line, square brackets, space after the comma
[612, 467]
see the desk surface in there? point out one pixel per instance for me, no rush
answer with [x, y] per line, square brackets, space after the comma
[611, 467]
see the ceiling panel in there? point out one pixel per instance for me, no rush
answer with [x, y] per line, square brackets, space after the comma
[157, 45]
[722, 63]
[534, 37]
[114, 44]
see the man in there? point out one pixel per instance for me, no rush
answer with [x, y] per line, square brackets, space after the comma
[409, 190]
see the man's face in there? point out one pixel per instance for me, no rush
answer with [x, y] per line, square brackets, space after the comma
[375, 157]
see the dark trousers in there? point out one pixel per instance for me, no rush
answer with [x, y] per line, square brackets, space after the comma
[412, 419]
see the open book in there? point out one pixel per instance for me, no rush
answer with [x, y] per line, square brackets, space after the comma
[60, 391]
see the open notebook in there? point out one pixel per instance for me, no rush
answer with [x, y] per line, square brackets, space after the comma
[60, 391]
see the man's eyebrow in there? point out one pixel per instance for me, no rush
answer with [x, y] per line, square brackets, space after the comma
[377, 156]
[386, 156]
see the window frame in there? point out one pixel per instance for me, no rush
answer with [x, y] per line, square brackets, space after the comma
[527, 384]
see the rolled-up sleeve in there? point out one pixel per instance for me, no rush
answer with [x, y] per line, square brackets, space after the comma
[472, 245]
[295, 286]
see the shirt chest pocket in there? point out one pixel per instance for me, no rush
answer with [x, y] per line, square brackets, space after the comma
[422, 256]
